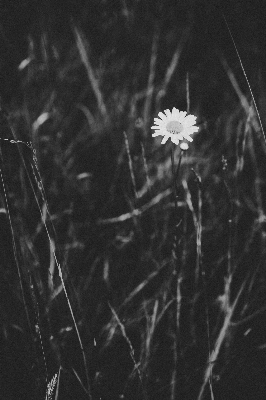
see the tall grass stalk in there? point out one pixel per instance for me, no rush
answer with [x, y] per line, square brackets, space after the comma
[130, 163]
[247, 80]
[150, 85]
[145, 164]
[200, 271]
[82, 46]
[50, 388]
[52, 247]
[171, 68]
[57, 386]
[132, 352]
[15, 141]
[224, 331]
[53, 250]
[14, 245]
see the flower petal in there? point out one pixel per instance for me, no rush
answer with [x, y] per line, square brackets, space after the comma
[175, 139]
[166, 137]
[187, 137]
[182, 115]
[162, 116]
[168, 113]
[189, 120]
[175, 114]
[175, 110]
[190, 130]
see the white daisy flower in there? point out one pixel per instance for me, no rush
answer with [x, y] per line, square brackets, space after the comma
[176, 125]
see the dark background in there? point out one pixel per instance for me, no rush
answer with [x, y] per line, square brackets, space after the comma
[105, 262]
[107, 29]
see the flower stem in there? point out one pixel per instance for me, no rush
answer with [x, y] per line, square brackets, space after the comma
[175, 174]
[176, 377]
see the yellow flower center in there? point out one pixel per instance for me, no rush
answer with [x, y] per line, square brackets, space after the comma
[174, 127]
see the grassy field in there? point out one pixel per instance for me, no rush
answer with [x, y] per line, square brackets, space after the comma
[114, 283]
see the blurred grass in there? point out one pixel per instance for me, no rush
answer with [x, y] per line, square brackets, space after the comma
[86, 105]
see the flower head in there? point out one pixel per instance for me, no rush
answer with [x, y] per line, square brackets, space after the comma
[176, 125]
